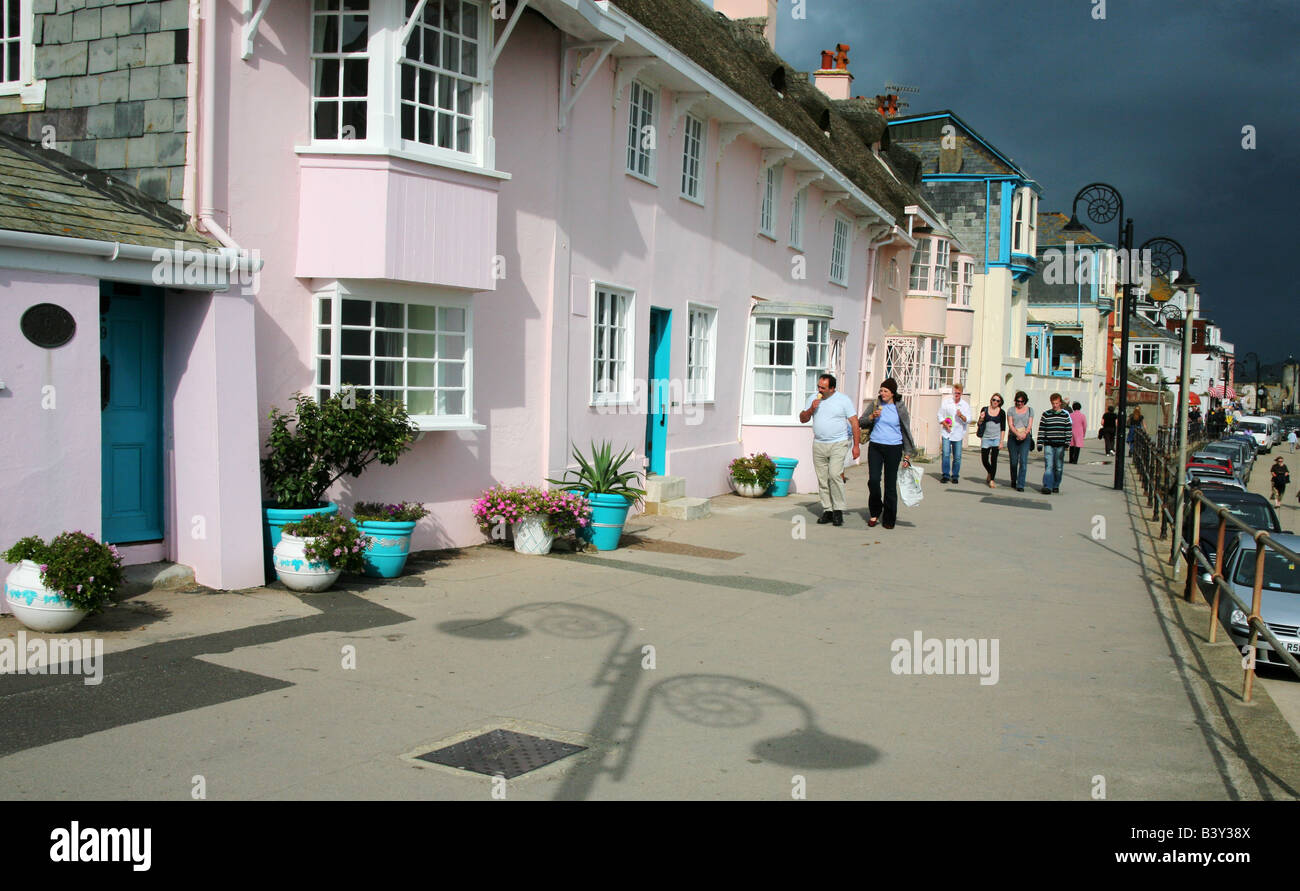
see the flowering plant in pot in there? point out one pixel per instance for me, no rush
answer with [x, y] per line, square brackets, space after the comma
[535, 515]
[389, 527]
[56, 585]
[752, 476]
[316, 443]
[608, 487]
[315, 550]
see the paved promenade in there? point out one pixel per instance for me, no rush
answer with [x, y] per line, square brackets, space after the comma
[745, 656]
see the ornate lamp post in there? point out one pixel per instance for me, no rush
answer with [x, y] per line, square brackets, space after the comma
[1169, 258]
[1103, 203]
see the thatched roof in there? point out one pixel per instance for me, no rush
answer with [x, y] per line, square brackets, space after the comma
[736, 53]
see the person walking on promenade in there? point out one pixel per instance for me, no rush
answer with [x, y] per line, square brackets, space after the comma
[1109, 423]
[835, 428]
[1054, 433]
[954, 415]
[1293, 439]
[1079, 425]
[1281, 476]
[992, 424]
[1134, 422]
[890, 429]
[1020, 421]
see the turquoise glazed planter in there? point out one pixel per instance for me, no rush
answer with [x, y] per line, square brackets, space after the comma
[608, 514]
[390, 545]
[276, 518]
[784, 476]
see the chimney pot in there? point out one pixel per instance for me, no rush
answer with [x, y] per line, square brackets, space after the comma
[827, 57]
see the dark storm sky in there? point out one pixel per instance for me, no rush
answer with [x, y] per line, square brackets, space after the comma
[1152, 100]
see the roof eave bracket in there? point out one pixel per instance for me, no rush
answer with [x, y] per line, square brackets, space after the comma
[574, 78]
[249, 29]
[505, 34]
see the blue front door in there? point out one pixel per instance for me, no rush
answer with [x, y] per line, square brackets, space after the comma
[656, 428]
[130, 385]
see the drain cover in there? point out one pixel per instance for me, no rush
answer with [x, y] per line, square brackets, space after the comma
[502, 753]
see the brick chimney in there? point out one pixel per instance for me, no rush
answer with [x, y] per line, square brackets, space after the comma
[833, 77]
[752, 9]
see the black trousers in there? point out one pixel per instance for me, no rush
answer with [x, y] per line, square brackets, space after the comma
[1109, 436]
[883, 457]
[989, 456]
[1074, 454]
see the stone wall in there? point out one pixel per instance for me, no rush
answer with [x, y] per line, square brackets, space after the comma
[115, 89]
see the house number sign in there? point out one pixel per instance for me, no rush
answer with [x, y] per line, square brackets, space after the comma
[48, 325]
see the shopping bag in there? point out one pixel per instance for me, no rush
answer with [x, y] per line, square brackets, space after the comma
[909, 485]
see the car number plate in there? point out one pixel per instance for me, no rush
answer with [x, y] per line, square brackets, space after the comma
[1292, 647]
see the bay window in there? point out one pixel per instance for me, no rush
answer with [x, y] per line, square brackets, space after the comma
[787, 355]
[400, 343]
[920, 277]
[429, 96]
[940, 265]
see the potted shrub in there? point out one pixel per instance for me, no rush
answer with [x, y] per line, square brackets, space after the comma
[315, 550]
[315, 444]
[608, 487]
[389, 527]
[535, 516]
[752, 476]
[56, 585]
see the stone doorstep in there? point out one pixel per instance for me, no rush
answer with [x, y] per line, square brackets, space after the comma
[664, 488]
[142, 577]
[686, 508]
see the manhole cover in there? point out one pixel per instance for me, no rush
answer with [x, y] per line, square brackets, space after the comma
[502, 753]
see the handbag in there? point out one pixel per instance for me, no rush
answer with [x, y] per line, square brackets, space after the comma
[979, 428]
[1101, 433]
[909, 485]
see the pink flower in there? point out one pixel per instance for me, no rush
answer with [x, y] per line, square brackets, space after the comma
[78, 589]
[44, 566]
[337, 551]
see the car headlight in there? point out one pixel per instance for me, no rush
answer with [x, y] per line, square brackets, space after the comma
[1237, 618]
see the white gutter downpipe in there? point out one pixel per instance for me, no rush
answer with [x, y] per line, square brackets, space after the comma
[873, 252]
[208, 89]
[189, 196]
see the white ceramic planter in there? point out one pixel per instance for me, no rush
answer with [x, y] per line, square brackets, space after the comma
[35, 605]
[749, 490]
[296, 571]
[530, 536]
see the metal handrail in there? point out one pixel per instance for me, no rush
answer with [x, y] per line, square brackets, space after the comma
[1155, 467]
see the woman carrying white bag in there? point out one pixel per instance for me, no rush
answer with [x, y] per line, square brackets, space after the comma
[890, 429]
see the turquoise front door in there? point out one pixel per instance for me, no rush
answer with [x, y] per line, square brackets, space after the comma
[130, 387]
[656, 427]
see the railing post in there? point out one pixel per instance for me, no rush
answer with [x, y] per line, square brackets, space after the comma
[1249, 684]
[1193, 545]
[1218, 571]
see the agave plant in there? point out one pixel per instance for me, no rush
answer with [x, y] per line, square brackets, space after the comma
[602, 475]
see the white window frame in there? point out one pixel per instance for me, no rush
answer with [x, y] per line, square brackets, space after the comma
[390, 292]
[26, 87]
[384, 92]
[767, 206]
[939, 271]
[967, 281]
[698, 141]
[797, 209]
[799, 368]
[918, 277]
[841, 246]
[1024, 239]
[1151, 352]
[621, 394]
[642, 111]
[701, 342]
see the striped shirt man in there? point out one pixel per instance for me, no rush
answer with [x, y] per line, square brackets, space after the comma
[1054, 427]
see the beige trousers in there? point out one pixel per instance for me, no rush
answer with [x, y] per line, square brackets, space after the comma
[828, 464]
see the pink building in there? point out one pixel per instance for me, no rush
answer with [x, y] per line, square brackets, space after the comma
[540, 224]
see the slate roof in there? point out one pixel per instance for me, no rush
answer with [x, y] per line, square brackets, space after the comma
[1050, 234]
[1140, 328]
[737, 54]
[48, 193]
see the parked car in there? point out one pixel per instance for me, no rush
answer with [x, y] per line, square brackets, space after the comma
[1243, 438]
[1205, 456]
[1279, 601]
[1203, 470]
[1235, 452]
[1252, 509]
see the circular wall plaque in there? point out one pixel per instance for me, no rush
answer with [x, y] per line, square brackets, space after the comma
[48, 325]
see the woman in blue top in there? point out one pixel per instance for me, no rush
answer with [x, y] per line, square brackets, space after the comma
[890, 442]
